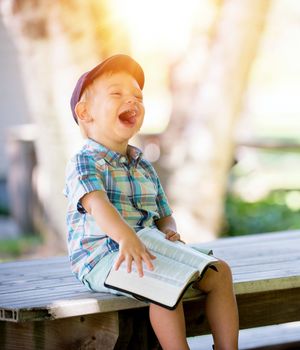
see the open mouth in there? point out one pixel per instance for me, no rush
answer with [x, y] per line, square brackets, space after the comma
[128, 117]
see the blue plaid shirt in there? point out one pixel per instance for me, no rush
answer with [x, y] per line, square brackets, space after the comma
[131, 185]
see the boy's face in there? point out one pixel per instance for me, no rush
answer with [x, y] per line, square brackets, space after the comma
[115, 108]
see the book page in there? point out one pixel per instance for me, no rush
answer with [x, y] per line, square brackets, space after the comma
[166, 269]
[164, 284]
[155, 241]
[175, 267]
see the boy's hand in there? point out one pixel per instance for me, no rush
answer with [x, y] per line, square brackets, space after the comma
[133, 250]
[109, 220]
[172, 235]
[167, 225]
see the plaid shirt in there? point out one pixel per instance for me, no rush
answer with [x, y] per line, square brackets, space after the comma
[131, 185]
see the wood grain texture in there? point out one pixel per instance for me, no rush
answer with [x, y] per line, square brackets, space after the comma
[86, 332]
[255, 310]
[45, 288]
[42, 306]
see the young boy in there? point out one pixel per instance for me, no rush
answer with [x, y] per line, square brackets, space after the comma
[113, 192]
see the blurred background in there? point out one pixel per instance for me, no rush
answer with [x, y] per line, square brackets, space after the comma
[222, 105]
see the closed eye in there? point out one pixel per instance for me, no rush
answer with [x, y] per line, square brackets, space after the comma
[139, 97]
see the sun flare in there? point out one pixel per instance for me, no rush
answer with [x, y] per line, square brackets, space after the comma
[157, 25]
[159, 32]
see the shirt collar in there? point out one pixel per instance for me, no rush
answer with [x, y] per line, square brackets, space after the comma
[114, 158]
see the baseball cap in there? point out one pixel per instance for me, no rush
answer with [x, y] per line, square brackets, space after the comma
[116, 62]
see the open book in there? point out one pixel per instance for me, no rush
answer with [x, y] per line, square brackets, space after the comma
[176, 267]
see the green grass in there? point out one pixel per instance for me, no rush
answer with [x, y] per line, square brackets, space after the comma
[14, 248]
[267, 215]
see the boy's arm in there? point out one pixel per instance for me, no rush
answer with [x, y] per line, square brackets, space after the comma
[110, 221]
[167, 225]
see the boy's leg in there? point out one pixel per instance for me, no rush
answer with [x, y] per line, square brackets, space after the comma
[221, 308]
[169, 327]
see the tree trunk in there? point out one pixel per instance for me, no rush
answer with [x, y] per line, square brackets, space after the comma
[204, 151]
[57, 42]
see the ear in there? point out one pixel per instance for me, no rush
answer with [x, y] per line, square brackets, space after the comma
[82, 112]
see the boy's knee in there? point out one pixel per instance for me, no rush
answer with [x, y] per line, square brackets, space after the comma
[212, 278]
[224, 269]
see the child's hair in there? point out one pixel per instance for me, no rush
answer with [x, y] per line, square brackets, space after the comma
[111, 65]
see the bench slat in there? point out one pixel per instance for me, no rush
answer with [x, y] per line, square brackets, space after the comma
[34, 289]
[283, 236]
[259, 263]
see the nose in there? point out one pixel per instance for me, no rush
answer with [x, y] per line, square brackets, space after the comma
[130, 99]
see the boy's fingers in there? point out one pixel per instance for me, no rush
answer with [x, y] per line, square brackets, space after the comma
[152, 257]
[119, 262]
[148, 260]
[172, 235]
[175, 237]
[149, 265]
[139, 267]
[129, 263]
[169, 234]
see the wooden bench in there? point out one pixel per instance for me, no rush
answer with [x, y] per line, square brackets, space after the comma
[42, 306]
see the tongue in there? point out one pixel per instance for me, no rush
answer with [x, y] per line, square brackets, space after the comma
[127, 117]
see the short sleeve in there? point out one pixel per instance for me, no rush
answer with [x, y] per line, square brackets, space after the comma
[82, 176]
[161, 198]
[162, 201]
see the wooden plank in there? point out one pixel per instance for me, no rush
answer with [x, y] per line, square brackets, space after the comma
[257, 239]
[289, 278]
[126, 330]
[13, 293]
[260, 260]
[39, 283]
[267, 266]
[68, 307]
[291, 235]
[266, 277]
[283, 336]
[40, 262]
[262, 266]
[271, 250]
[98, 302]
[256, 309]
[34, 294]
[71, 333]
